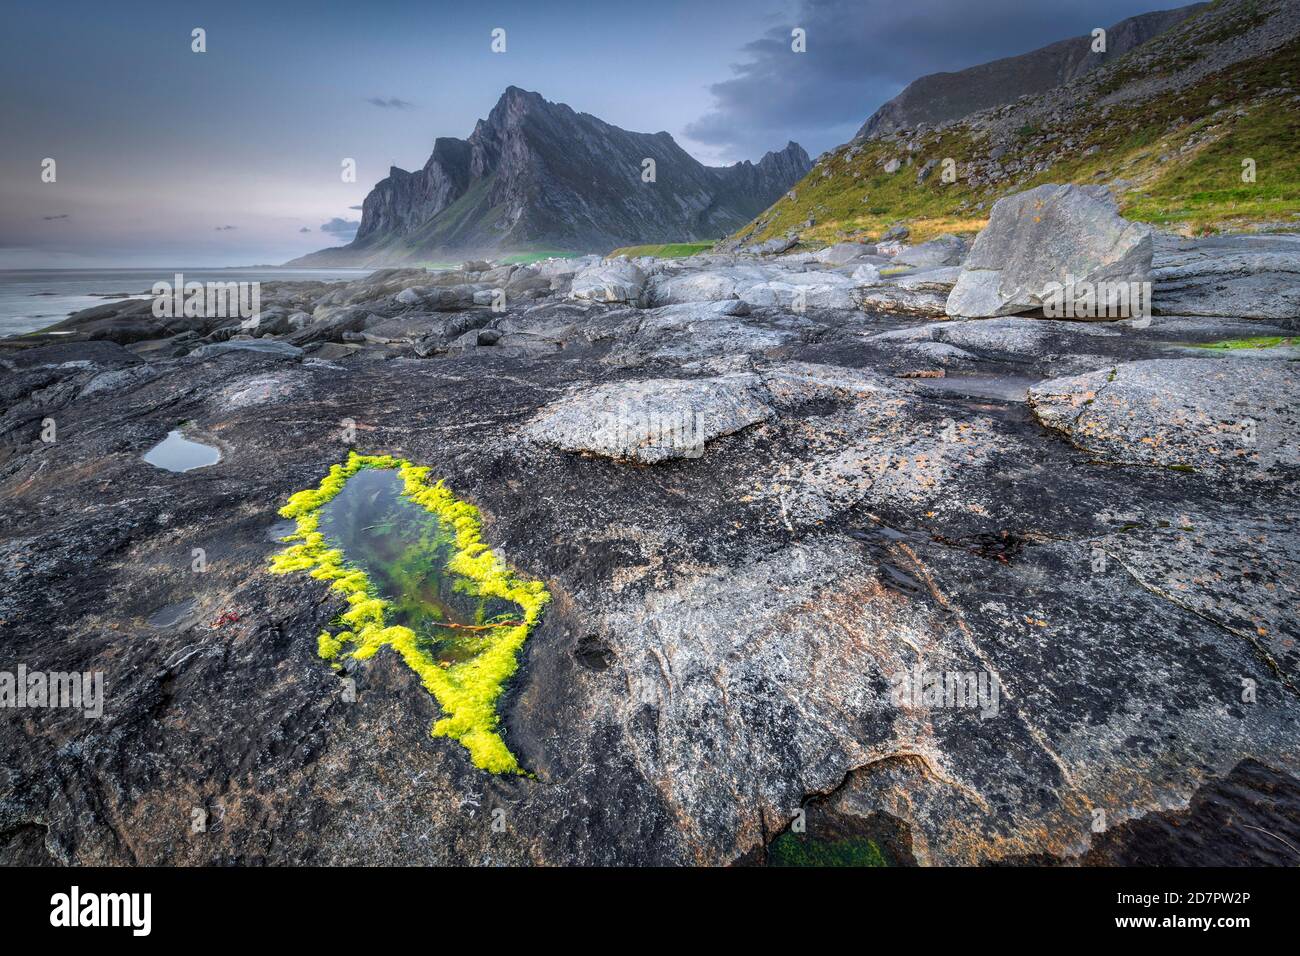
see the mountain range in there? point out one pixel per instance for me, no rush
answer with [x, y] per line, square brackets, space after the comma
[537, 175]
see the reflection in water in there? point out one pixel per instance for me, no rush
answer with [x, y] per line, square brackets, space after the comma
[178, 453]
[403, 548]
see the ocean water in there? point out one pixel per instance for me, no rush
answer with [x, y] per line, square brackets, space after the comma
[33, 299]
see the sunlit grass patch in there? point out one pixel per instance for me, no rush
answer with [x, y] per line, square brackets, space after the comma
[1254, 342]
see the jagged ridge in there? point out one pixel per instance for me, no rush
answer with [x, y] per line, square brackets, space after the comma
[943, 97]
[536, 174]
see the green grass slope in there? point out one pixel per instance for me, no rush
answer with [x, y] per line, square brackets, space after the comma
[1167, 127]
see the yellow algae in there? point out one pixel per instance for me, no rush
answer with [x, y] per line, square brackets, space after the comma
[466, 691]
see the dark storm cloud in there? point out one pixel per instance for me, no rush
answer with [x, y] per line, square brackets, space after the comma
[390, 103]
[341, 227]
[305, 229]
[860, 54]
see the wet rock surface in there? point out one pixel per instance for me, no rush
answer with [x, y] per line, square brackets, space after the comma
[729, 630]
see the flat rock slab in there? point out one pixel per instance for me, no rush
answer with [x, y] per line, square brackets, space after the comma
[272, 347]
[652, 421]
[1007, 335]
[1238, 569]
[1192, 413]
[99, 353]
[1251, 277]
[916, 293]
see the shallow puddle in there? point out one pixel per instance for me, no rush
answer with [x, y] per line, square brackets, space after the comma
[175, 616]
[178, 453]
[404, 549]
[280, 530]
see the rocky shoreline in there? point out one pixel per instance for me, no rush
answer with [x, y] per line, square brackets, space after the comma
[839, 485]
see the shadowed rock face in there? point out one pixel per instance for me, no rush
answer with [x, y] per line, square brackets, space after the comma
[941, 97]
[729, 631]
[536, 174]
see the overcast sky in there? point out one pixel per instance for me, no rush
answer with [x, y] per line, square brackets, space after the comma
[166, 157]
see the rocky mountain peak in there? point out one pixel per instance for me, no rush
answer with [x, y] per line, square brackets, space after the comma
[537, 174]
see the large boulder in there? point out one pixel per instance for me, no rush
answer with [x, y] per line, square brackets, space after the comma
[652, 421]
[616, 281]
[1043, 239]
[945, 250]
[707, 286]
[866, 274]
[774, 247]
[842, 252]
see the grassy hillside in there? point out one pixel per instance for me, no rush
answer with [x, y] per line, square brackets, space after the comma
[1173, 158]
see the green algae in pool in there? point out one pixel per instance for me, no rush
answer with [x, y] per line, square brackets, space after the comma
[791, 849]
[419, 579]
[404, 550]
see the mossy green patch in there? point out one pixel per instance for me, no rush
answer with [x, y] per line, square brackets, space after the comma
[799, 849]
[1254, 342]
[467, 691]
[524, 258]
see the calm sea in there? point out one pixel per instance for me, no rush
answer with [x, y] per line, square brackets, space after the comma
[31, 300]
